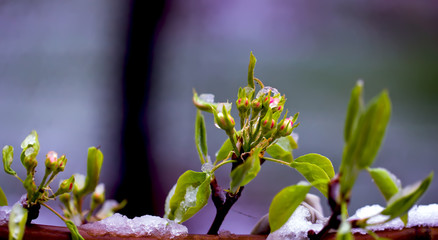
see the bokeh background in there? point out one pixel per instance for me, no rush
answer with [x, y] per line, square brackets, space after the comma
[120, 74]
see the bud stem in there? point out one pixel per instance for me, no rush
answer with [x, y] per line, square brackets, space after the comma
[55, 212]
[233, 143]
[277, 161]
[221, 164]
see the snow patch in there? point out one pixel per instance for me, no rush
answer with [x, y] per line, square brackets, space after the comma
[121, 226]
[4, 214]
[299, 223]
[297, 226]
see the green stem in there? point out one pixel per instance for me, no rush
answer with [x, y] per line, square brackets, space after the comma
[55, 212]
[200, 154]
[19, 178]
[221, 164]
[43, 182]
[277, 161]
[256, 131]
[233, 143]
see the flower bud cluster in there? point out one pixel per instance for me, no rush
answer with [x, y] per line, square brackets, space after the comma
[223, 119]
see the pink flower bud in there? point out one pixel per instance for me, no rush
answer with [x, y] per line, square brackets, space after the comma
[52, 160]
[286, 126]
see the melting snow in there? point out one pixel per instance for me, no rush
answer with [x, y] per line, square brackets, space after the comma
[423, 215]
[4, 214]
[207, 167]
[207, 97]
[121, 226]
[298, 225]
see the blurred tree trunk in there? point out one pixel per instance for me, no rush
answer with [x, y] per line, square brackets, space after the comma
[136, 166]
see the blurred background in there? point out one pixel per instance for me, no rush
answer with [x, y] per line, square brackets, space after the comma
[120, 74]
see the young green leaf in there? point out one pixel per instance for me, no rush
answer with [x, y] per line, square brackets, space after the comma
[94, 164]
[167, 202]
[251, 66]
[401, 202]
[284, 204]
[354, 107]
[387, 183]
[323, 162]
[204, 102]
[201, 136]
[31, 141]
[3, 199]
[245, 172]
[283, 149]
[365, 140]
[224, 151]
[17, 222]
[8, 157]
[75, 235]
[369, 132]
[314, 174]
[191, 195]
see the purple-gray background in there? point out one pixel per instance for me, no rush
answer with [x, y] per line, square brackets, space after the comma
[61, 67]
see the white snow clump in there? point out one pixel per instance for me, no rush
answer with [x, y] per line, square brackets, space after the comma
[297, 226]
[4, 214]
[418, 216]
[121, 226]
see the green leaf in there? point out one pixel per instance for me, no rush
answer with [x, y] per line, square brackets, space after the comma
[31, 141]
[94, 164]
[314, 174]
[8, 157]
[75, 235]
[404, 219]
[191, 195]
[3, 199]
[284, 204]
[251, 66]
[204, 102]
[365, 140]
[401, 202]
[17, 222]
[167, 202]
[245, 172]
[354, 107]
[321, 161]
[369, 132]
[201, 136]
[387, 183]
[283, 149]
[224, 151]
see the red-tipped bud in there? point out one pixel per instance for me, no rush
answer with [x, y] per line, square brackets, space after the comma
[62, 161]
[66, 186]
[224, 120]
[266, 100]
[52, 161]
[267, 122]
[242, 104]
[285, 127]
